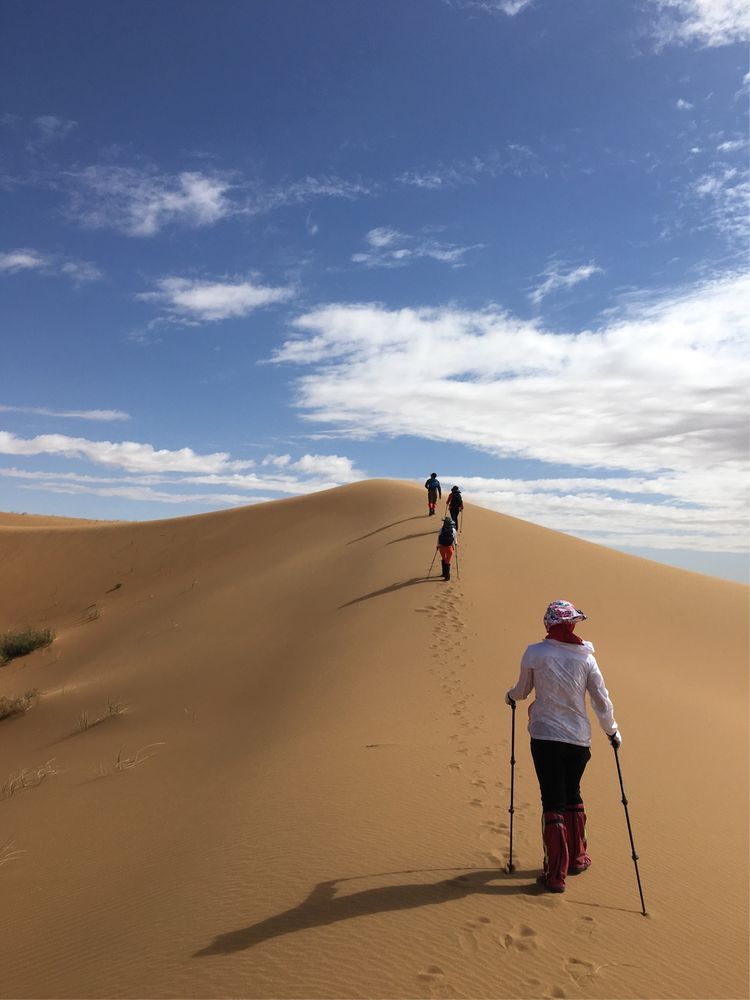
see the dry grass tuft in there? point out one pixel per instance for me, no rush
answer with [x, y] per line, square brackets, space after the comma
[9, 853]
[123, 763]
[26, 778]
[20, 705]
[114, 708]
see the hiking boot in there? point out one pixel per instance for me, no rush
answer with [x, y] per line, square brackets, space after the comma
[555, 852]
[575, 828]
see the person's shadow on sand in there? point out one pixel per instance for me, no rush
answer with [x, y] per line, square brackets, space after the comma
[323, 906]
[389, 590]
[393, 524]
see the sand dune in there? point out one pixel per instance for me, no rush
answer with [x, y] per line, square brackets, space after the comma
[306, 792]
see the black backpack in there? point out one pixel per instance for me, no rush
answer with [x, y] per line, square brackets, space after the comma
[446, 535]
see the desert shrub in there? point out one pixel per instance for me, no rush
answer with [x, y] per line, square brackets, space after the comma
[26, 778]
[114, 708]
[19, 705]
[22, 641]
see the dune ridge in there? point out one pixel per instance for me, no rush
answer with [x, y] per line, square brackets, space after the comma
[305, 791]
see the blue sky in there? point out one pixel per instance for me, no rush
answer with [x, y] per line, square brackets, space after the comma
[254, 249]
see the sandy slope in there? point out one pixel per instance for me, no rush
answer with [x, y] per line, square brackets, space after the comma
[312, 791]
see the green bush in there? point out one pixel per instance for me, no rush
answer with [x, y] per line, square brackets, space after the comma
[23, 641]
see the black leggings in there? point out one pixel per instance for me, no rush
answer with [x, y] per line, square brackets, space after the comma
[559, 768]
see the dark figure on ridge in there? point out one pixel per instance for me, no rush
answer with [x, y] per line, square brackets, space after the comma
[446, 544]
[434, 492]
[454, 504]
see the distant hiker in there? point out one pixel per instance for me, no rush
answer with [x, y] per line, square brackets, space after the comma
[446, 544]
[454, 504]
[434, 493]
[562, 669]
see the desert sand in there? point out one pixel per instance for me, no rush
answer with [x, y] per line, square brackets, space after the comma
[271, 759]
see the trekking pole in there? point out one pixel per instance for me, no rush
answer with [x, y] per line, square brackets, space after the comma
[458, 572]
[510, 867]
[630, 831]
[432, 563]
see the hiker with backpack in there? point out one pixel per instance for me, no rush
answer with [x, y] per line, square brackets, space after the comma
[561, 669]
[446, 545]
[434, 493]
[454, 504]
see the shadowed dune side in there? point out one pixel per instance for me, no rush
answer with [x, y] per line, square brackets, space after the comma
[299, 707]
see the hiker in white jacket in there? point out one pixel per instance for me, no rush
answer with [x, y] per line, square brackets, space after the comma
[561, 669]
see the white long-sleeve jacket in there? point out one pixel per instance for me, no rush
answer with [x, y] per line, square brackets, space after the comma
[561, 673]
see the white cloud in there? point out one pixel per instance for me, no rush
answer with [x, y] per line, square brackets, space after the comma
[516, 159]
[133, 456]
[307, 474]
[683, 105]
[267, 199]
[98, 415]
[727, 193]
[731, 146]
[383, 237]
[333, 467]
[659, 392]
[559, 276]
[142, 202]
[145, 494]
[13, 261]
[207, 301]
[614, 511]
[508, 7]
[390, 248]
[80, 272]
[24, 259]
[53, 128]
[704, 22]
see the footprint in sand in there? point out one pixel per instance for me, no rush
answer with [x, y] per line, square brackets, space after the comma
[521, 938]
[467, 940]
[433, 978]
[577, 969]
[454, 767]
[477, 803]
[469, 935]
[431, 972]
